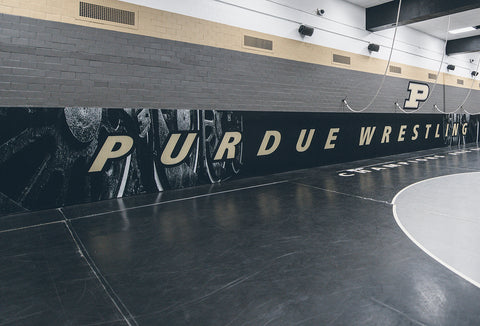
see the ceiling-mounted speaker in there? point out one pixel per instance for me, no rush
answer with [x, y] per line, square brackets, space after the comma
[372, 47]
[474, 73]
[450, 67]
[306, 30]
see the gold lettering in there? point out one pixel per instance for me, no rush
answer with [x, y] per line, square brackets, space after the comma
[401, 133]
[428, 130]
[107, 152]
[366, 135]
[415, 132]
[331, 137]
[167, 158]
[455, 129]
[300, 147]
[277, 137]
[386, 134]
[229, 141]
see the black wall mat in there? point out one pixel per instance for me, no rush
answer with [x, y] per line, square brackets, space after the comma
[52, 157]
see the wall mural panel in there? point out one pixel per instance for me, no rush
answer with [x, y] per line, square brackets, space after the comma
[51, 157]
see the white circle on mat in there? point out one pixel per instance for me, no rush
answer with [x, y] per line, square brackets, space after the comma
[442, 216]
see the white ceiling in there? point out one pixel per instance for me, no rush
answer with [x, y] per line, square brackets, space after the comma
[437, 26]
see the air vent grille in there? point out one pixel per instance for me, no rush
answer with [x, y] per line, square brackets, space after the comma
[258, 43]
[432, 76]
[114, 15]
[460, 81]
[395, 69]
[337, 58]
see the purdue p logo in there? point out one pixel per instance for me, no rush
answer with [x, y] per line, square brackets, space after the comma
[418, 93]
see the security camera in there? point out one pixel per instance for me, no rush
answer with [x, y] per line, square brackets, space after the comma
[320, 12]
[472, 60]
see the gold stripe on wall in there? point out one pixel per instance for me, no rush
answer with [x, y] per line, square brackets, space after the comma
[171, 26]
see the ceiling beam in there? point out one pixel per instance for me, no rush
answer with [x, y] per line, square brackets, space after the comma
[463, 45]
[384, 16]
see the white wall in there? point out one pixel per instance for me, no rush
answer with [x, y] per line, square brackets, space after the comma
[342, 27]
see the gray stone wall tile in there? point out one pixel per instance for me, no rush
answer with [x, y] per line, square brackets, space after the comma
[46, 63]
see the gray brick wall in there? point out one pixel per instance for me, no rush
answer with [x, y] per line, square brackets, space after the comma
[49, 64]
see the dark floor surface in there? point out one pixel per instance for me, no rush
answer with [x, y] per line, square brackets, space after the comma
[307, 247]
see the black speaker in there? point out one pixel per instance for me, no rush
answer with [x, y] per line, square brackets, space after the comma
[450, 67]
[474, 73]
[372, 47]
[306, 30]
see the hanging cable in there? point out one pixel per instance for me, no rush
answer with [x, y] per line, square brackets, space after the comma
[441, 64]
[471, 86]
[437, 108]
[386, 68]
[437, 76]
[466, 97]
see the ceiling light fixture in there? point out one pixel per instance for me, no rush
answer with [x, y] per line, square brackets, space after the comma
[462, 30]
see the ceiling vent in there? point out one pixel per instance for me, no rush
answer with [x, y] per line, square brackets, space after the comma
[337, 58]
[395, 69]
[460, 81]
[108, 14]
[432, 76]
[257, 43]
